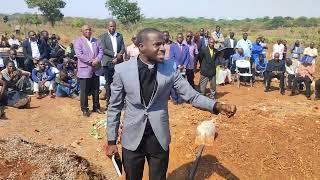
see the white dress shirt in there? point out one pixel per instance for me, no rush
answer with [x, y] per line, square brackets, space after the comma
[35, 49]
[231, 43]
[114, 43]
[90, 44]
[278, 48]
[13, 41]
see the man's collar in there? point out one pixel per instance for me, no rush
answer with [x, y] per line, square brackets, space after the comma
[90, 39]
[115, 34]
[32, 41]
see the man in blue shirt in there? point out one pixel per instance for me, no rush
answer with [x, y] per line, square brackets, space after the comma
[256, 50]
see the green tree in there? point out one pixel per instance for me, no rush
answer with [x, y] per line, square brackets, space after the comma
[276, 22]
[34, 19]
[126, 12]
[49, 8]
[5, 19]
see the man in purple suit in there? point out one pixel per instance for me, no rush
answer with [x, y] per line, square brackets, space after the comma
[89, 53]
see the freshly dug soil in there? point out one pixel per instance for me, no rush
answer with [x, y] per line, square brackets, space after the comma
[20, 160]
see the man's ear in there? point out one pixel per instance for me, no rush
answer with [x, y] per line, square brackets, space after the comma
[141, 47]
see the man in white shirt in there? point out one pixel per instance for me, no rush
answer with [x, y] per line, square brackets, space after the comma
[13, 41]
[311, 51]
[113, 50]
[278, 48]
[34, 50]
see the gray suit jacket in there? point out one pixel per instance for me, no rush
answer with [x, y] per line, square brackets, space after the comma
[227, 43]
[108, 54]
[126, 87]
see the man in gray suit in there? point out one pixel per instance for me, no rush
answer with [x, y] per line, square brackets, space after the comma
[113, 50]
[144, 85]
[230, 45]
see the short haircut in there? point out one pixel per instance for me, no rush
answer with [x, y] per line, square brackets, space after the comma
[31, 32]
[143, 34]
[13, 51]
[166, 32]
[10, 62]
[180, 33]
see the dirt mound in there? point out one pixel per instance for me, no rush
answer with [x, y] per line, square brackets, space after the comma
[20, 159]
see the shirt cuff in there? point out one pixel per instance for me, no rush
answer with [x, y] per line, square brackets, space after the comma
[115, 55]
[111, 142]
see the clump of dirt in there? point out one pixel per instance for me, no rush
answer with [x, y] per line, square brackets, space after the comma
[20, 159]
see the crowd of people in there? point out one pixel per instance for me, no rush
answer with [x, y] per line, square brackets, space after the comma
[142, 76]
[42, 66]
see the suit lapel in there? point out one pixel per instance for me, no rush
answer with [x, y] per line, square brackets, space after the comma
[84, 41]
[108, 40]
[118, 42]
[135, 81]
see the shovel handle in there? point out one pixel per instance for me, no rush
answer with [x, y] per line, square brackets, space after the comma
[195, 164]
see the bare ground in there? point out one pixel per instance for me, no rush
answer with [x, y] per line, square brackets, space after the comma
[271, 137]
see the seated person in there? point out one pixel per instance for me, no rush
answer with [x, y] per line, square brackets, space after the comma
[43, 80]
[17, 82]
[275, 69]
[56, 50]
[34, 49]
[69, 65]
[13, 41]
[16, 79]
[13, 57]
[311, 52]
[305, 72]
[239, 55]
[67, 87]
[223, 73]
[291, 69]
[260, 65]
[317, 90]
[70, 53]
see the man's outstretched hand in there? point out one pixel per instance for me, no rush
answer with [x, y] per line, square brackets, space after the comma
[226, 109]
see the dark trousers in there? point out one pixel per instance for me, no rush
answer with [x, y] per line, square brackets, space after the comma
[270, 75]
[317, 88]
[108, 75]
[150, 149]
[190, 76]
[89, 86]
[307, 81]
[290, 80]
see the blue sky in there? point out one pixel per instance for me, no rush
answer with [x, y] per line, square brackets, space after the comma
[226, 9]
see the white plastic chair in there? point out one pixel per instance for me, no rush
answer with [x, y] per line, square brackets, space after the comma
[243, 64]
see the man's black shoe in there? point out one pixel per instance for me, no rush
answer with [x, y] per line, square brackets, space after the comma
[98, 111]
[86, 113]
[282, 92]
